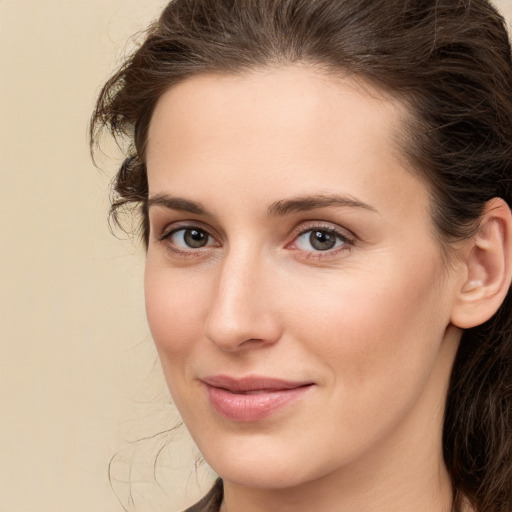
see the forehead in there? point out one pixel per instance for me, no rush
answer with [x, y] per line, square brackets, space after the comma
[275, 132]
[280, 98]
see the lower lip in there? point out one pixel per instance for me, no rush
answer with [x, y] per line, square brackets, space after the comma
[252, 407]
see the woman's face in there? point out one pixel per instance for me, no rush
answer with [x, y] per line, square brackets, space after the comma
[294, 286]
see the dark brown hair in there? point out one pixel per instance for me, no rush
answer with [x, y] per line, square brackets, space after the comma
[450, 62]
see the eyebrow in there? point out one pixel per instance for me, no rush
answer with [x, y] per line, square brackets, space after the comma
[176, 203]
[312, 202]
[276, 209]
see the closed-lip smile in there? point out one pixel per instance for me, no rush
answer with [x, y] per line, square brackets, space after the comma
[252, 398]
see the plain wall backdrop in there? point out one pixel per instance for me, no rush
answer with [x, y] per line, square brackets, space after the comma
[79, 380]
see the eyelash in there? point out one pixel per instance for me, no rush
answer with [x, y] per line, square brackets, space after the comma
[347, 242]
[190, 252]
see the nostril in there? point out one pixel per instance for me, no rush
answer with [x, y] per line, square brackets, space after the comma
[241, 314]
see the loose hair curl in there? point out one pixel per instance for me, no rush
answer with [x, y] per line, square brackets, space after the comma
[450, 62]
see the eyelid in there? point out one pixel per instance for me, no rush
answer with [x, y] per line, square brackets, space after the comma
[185, 224]
[321, 225]
[343, 234]
[209, 243]
[164, 238]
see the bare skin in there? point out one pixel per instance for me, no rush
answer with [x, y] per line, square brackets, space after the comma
[290, 239]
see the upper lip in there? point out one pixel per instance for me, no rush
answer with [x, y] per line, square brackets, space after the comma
[252, 383]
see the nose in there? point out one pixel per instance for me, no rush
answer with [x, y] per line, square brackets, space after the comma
[241, 314]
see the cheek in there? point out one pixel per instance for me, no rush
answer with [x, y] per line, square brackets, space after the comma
[376, 327]
[378, 338]
[173, 308]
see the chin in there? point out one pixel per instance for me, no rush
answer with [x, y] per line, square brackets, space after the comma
[263, 463]
[260, 475]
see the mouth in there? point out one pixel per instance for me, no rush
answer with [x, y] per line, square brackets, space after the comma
[252, 398]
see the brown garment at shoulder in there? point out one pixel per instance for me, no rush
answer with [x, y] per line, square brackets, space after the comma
[212, 501]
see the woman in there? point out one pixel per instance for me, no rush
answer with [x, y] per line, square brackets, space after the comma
[325, 190]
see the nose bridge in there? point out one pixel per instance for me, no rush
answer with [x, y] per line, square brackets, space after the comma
[240, 309]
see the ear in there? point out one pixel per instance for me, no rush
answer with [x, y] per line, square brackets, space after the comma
[487, 265]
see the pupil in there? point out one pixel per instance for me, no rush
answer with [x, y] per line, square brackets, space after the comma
[322, 241]
[195, 238]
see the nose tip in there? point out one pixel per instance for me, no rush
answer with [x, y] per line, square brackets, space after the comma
[244, 327]
[241, 314]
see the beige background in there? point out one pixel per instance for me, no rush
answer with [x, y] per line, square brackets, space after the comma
[78, 376]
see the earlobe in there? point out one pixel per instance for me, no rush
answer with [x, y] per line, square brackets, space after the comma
[488, 267]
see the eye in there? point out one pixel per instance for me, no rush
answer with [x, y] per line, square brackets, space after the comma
[320, 239]
[189, 238]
